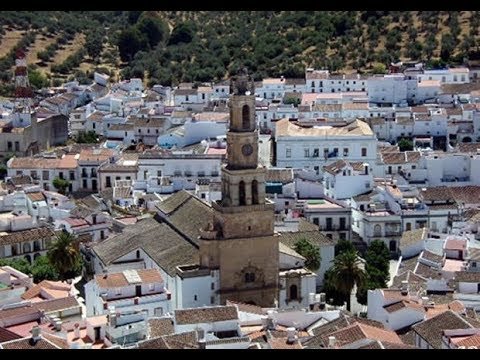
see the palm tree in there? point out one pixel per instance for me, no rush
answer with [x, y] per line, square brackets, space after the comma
[347, 272]
[63, 254]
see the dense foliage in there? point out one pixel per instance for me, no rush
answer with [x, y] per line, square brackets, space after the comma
[310, 252]
[377, 264]
[174, 46]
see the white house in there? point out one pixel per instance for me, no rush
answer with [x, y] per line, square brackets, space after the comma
[332, 217]
[13, 284]
[344, 179]
[168, 172]
[300, 147]
[128, 291]
[45, 170]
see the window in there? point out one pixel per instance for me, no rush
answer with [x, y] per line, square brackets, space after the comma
[249, 277]
[343, 223]
[93, 126]
[345, 151]
[254, 192]
[241, 193]
[212, 300]
[315, 152]
[212, 286]
[151, 287]
[364, 151]
[60, 175]
[288, 153]
[306, 153]
[342, 236]
[9, 145]
[315, 221]
[195, 297]
[158, 311]
[474, 264]
[202, 195]
[245, 117]
[72, 175]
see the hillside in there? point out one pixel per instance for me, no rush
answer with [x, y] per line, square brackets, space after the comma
[170, 47]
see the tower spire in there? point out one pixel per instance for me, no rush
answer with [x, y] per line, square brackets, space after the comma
[23, 90]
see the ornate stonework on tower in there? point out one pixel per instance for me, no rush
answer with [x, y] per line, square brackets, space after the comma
[240, 240]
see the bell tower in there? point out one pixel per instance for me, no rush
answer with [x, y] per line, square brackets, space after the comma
[240, 239]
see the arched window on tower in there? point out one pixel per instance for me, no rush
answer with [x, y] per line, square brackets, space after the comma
[241, 193]
[245, 117]
[254, 192]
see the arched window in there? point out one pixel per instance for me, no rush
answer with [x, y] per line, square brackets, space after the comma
[393, 245]
[28, 258]
[254, 192]
[249, 277]
[36, 245]
[245, 117]
[377, 230]
[36, 256]
[409, 226]
[26, 248]
[293, 292]
[241, 193]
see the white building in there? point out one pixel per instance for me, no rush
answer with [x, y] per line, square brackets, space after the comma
[332, 217]
[314, 147]
[13, 284]
[127, 291]
[45, 170]
[446, 76]
[170, 172]
[343, 179]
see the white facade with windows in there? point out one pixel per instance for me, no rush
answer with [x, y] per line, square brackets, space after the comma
[312, 148]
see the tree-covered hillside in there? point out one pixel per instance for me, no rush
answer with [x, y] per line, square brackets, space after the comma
[170, 47]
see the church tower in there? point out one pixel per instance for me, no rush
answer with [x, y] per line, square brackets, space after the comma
[240, 240]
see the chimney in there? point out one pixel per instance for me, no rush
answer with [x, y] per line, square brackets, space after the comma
[76, 329]
[291, 335]
[36, 333]
[271, 324]
[424, 300]
[404, 287]
[58, 325]
[331, 342]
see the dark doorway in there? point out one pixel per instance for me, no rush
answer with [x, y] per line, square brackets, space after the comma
[138, 290]
[393, 246]
[97, 333]
[94, 185]
[293, 292]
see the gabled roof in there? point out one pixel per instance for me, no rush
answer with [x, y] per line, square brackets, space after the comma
[315, 237]
[160, 327]
[431, 330]
[411, 237]
[359, 331]
[205, 315]
[164, 245]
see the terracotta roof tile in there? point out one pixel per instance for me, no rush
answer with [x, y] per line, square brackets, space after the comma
[26, 235]
[205, 315]
[7, 335]
[29, 344]
[359, 331]
[468, 277]
[115, 280]
[431, 330]
[160, 326]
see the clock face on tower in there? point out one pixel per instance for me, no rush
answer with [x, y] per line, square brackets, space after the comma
[247, 149]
